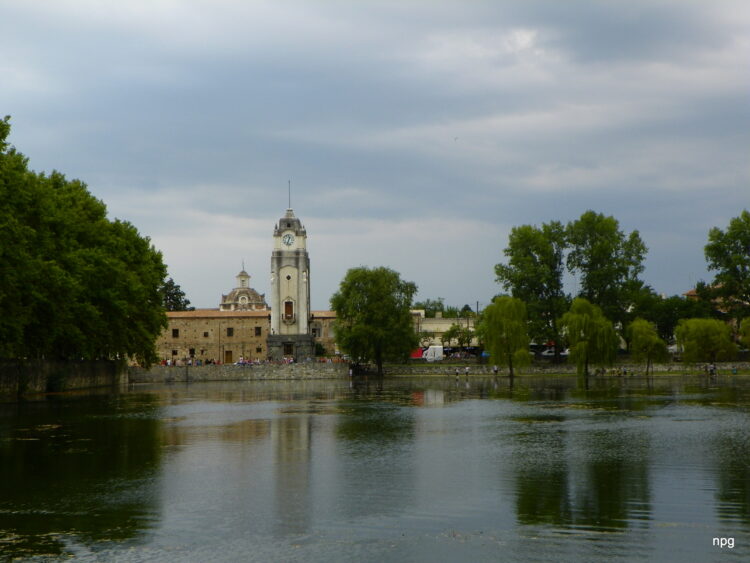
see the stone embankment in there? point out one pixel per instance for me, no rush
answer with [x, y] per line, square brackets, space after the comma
[315, 370]
[22, 378]
[249, 372]
[439, 368]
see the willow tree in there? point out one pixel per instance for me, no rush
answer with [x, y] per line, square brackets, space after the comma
[373, 316]
[645, 344]
[504, 330]
[705, 340]
[591, 336]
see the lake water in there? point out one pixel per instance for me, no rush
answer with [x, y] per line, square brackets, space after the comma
[407, 470]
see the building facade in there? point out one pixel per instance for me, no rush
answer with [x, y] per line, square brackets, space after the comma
[245, 328]
[212, 335]
[430, 330]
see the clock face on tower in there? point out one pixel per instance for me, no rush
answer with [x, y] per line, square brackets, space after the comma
[288, 239]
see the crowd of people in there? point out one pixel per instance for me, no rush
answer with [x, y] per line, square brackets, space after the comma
[250, 362]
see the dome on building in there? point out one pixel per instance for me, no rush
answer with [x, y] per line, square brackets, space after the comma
[243, 297]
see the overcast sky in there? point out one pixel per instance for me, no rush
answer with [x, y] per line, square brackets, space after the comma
[415, 134]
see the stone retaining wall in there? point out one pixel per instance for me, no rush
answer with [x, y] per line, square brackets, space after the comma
[253, 372]
[44, 376]
[439, 368]
[314, 370]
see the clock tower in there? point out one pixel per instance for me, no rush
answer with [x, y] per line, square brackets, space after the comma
[290, 292]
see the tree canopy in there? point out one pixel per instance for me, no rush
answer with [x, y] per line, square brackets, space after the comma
[590, 334]
[73, 284]
[373, 318]
[430, 306]
[458, 332]
[449, 335]
[645, 344]
[173, 297]
[666, 312]
[608, 262]
[503, 329]
[744, 332]
[728, 253]
[705, 340]
[534, 274]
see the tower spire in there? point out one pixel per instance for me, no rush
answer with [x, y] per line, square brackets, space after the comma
[290, 194]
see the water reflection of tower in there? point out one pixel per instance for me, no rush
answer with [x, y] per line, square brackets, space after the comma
[291, 437]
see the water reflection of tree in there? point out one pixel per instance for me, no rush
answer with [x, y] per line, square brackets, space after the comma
[599, 483]
[541, 469]
[377, 469]
[531, 388]
[77, 468]
[733, 475]
[612, 488]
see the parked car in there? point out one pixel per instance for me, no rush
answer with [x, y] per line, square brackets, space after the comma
[550, 353]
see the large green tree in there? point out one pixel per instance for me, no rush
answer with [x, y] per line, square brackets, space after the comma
[534, 274]
[373, 318]
[73, 284]
[504, 330]
[608, 263]
[705, 340]
[728, 253]
[591, 336]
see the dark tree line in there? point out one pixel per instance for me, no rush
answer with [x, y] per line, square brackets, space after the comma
[73, 284]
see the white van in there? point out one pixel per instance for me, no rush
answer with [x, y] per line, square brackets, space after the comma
[433, 354]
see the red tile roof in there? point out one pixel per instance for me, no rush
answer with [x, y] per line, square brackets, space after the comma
[215, 313]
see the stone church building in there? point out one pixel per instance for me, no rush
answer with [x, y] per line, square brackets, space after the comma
[244, 327]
